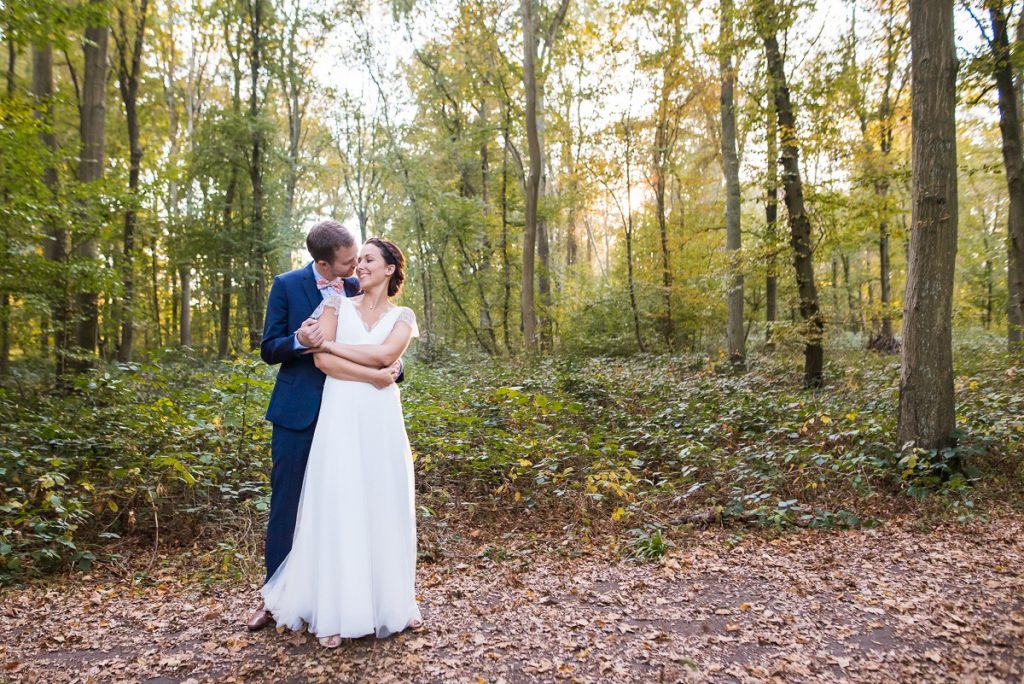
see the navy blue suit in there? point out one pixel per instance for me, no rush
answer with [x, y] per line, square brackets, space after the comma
[295, 402]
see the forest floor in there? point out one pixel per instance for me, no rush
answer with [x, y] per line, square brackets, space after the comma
[901, 602]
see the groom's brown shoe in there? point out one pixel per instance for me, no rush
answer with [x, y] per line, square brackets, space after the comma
[259, 619]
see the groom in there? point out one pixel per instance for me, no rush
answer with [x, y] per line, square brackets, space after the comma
[289, 335]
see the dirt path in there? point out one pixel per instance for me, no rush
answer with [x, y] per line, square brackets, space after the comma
[882, 605]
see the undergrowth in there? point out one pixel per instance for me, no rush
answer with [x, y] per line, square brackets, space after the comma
[177, 442]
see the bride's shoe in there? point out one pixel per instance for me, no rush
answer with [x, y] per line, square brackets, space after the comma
[415, 625]
[333, 641]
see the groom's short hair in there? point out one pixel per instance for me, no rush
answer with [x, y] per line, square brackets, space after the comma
[325, 238]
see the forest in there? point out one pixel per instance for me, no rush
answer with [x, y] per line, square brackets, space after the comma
[694, 278]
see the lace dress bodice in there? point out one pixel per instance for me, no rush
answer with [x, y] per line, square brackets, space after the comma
[352, 329]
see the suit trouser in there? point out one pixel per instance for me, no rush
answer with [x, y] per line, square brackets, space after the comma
[289, 451]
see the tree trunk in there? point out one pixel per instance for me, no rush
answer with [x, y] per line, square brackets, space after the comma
[56, 236]
[627, 131]
[506, 265]
[799, 223]
[185, 329]
[533, 177]
[926, 404]
[666, 130]
[92, 132]
[254, 276]
[224, 326]
[771, 216]
[1013, 159]
[155, 289]
[731, 166]
[129, 66]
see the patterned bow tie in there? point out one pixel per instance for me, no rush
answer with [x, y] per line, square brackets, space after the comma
[338, 284]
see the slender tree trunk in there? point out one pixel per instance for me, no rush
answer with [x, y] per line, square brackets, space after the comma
[5, 298]
[771, 215]
[56, 249]
[224, 327]
[627, 130]
[155, 289]
[533, 178]
[799, 223]
[185, 328]
[506, 265]
[1013, 159]
[92, 133]
[851, 304]
[663, 140]
[129, 66]
[731, 166]
[926, 404]
[254, 276]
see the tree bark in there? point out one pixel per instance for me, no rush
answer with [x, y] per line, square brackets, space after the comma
[799, 223]
[56, 249]
[731, 166]
[254, 276]
[529, 310]
[128, 67]
[771, 216]
[1013, 159]
[627, 131]
[185, 327]
[665, 134]
[92, 131]
[926, 404]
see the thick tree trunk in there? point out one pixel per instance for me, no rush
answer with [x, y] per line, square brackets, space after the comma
[926, 404]
[799, 223]
[731, 166]
[1013, 159]
[92, 132]
[533, 178]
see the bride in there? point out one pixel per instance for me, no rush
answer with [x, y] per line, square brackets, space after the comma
[352, 567]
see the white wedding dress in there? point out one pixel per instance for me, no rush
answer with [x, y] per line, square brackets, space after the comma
[352, 567]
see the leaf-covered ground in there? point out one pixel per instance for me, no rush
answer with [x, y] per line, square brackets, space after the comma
[895, 603]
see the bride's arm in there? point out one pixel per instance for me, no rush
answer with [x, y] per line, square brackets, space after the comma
[346, 369]
[343, 369]
[376, 355]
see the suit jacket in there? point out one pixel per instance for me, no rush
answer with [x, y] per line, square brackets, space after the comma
[295, 402]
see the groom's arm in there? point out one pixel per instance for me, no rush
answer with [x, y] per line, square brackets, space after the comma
[278, 344]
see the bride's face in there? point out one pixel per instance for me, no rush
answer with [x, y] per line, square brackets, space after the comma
[372, 269]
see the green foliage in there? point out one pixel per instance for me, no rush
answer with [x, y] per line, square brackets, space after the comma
[177, 442]
[132, 449]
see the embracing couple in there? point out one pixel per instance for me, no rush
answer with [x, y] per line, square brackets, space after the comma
[341, 539]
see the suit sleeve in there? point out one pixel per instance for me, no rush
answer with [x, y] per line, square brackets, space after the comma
[278, 344]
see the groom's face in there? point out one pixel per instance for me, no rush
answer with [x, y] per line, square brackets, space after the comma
[344, 262]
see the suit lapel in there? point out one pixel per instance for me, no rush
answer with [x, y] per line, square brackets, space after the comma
[309, 285]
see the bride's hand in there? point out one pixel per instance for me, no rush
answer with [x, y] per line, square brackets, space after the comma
[382, 378]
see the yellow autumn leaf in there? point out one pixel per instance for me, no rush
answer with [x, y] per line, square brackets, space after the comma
[618, 514]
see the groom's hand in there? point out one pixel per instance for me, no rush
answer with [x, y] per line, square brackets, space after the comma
[309, 333]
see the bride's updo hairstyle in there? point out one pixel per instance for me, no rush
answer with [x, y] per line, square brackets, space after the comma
[393, 256]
